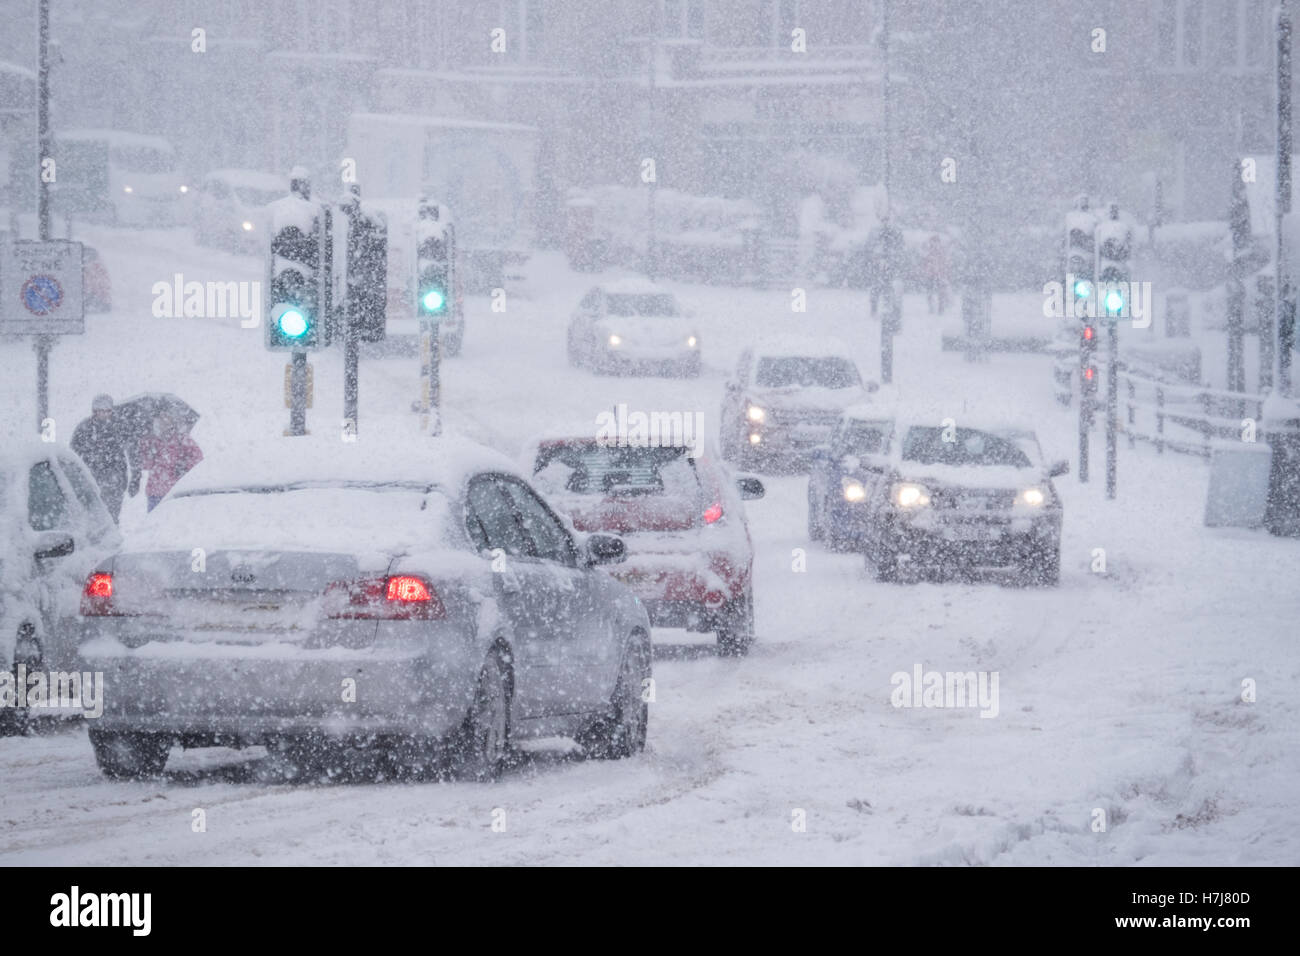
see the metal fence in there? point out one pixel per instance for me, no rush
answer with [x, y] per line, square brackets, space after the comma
[1189, 419]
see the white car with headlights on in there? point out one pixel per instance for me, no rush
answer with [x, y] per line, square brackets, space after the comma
[947, 498]
[232, 211]
[633, 327]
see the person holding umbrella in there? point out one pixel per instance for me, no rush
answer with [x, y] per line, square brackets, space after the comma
[167, 455]
[109, 453]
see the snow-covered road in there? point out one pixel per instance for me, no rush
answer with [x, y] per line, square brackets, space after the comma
[1119, 692]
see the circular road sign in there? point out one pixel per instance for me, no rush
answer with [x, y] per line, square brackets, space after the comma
[42, 294]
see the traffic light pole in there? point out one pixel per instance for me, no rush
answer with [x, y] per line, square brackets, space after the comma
[1112, 403]
[43, 342]
[1085, 415]
[298, 395]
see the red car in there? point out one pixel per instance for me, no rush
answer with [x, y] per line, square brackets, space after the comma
[96, 290]
[689, 555]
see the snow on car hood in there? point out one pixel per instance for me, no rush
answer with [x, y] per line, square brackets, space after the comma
[971, 476]
[798, 396]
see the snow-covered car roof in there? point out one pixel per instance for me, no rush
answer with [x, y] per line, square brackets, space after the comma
[809, 346]
[446, 462]
[632, 285]
[118, 137]
[253, 178]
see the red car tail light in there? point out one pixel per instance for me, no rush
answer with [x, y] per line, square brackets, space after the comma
[713, 512]
[97, 596]
[400, 597]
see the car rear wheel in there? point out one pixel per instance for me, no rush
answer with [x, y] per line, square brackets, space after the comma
[128, 756]
[16, 721]
[483, 744]
[736, 632]
[622, 731]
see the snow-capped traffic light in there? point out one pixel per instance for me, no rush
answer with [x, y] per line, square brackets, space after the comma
[1114, 246]
[297, 281]
[1080, 255]
[435, 256]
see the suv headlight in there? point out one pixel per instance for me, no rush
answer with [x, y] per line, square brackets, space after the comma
[615, 341]
[1034, 497]
[909, 495]
[755, 414]
[853, 490]
[691, 342]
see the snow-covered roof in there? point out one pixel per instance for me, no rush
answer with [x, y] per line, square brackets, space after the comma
[253, 178]
[777, 346]
[117, 137]
[440, 122]
[632, 285]
[445, 462]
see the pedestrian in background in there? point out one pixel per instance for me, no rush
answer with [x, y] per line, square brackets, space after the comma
[167, 455]
[109, 453]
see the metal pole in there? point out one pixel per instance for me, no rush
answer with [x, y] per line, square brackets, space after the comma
[43, 342]
[1085, 420]
[888, 128]
[1282, 203]
[353, 270]
[43, 119]
[435, 379]
[652, 244]
[298, 395]
[1112, 403]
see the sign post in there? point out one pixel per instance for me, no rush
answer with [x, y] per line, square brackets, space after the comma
[41, 296]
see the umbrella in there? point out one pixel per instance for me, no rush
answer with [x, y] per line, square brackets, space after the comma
[135, 416]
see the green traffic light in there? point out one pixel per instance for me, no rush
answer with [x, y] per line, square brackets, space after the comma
[293, 324]
[1114, 302]
[433, 300]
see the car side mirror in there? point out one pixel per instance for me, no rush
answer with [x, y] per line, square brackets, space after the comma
[605, 549]
[750, 488]
[53, 544]
[1058, 468]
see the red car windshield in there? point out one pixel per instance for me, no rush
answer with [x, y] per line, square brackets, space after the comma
[621, 488]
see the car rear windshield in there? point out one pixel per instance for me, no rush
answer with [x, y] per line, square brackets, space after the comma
[967, 447]
[336, 516]
[640, 304]
[807, 372]
[615, 470]
[250, 196]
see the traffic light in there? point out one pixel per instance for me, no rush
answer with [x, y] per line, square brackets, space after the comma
[297, 280]
[1114, 246]
[1080, 266]
[434, 257]
[1087, 363]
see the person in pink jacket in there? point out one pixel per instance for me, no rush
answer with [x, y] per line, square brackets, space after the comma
[167, 455]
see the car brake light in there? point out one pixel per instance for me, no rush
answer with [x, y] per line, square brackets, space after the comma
[713, 513]
[401, 597]
[97, 595]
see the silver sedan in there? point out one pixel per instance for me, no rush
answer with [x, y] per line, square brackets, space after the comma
[439, 617]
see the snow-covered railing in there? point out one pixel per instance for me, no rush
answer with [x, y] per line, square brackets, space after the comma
[1215, 415]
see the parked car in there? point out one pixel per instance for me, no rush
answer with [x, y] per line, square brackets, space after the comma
[945, 498]
[633, 327]
[96, 289]
[785, 398]
[689, 554]
[232, 212]
[53, 530]
[121, 178]
[858, 445]
[427, 604]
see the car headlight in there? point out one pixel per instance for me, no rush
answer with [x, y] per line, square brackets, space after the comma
[185, 189]
[690, 342]
[755, 414]
[615, 341]
[127, 189]
[248, 226]
[853, 490]
[1033, 497]
[908, 495]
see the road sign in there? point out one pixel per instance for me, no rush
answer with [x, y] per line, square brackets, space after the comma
[40, 288]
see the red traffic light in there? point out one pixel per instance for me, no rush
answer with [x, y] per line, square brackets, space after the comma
[1088, 373]
[1087, 333]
